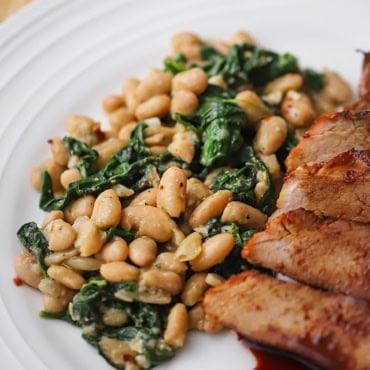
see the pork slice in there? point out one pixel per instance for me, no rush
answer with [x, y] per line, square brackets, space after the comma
[331, 135]
[364, 87]
[329, 329]
[338, 188]
[328, 253]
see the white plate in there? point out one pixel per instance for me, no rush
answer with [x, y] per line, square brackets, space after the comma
[61, 57]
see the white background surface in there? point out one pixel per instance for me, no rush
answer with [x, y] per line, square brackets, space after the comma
[61, 57]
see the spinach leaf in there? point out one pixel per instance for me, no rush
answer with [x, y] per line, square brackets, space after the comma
[219, 141]
[85, 307]
[220, 122]
[82, 155]
[128, 166]
[35, 242]
[313, 80]
[290, 142]
[175, 64]
[247, 63]
[145, 322]
[88, 304]
[240, 182]
[64, 316]
[272, 65]
[215, 91]
[233, 263]
[128, 236]
[229, 67]
[262, 175]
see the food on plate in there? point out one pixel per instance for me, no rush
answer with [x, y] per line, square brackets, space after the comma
[328, 329]
[150, 209]
[324, 252]
[339, 132]
[331, 135]
[338, 188]
[364, 89]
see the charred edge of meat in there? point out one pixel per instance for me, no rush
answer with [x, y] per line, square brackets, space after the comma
[364, 88]
[346, 114]
[349, 158]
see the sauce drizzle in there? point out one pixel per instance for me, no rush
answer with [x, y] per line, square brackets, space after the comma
[270, 359]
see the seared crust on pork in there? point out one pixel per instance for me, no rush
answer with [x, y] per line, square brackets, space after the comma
[323, 252]
[338, 188]
[331, 135]
[364, 88]
[331, 330]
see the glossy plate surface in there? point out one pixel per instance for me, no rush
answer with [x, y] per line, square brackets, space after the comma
[61, 57]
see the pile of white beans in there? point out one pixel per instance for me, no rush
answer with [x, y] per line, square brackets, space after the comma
[76, 235]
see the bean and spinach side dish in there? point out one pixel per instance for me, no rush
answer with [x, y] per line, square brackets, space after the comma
[147, 212]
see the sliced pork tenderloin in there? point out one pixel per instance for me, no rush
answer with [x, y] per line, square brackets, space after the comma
[329, 136]
[337, 188]
[329, 329]
[328, 253]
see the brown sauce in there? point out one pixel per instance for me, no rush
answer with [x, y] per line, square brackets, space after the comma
[268, 359]
[271, 361]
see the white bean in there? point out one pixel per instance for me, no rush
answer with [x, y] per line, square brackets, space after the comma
[177, 324]
[184, 102]
[289, 81]
[28, 270]
[112, 102]
[107, 209]
[68, 176]
[106, 150]
[297, 109]
[214, 250]
[244, 215]
[119, 272]
[65, 276]
[241, 37]
[60, 303]
[119, 118]
[253, 106]
[167, 261]
[210, 207]
[158, 279]
[115, 250]
[171, 194]
[157, 82]
[147, 221]
[336, 89]
[83, 263]
[189, 248]
[194, 80]
[147, 197]
[52, 215]
[270, 135]
[80, 207]
[59, 151]
[143, 251]
[83, 128]
[60, 234]
[89, 238]
[194, 289]
[156, 106]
